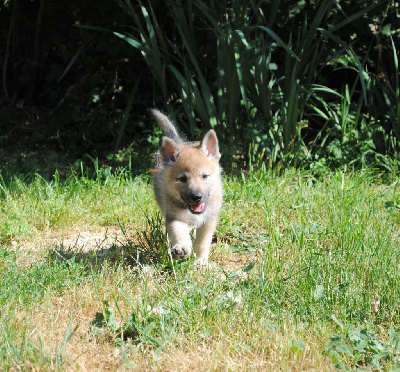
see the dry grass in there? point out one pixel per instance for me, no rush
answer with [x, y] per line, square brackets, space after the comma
[269, 350]
[47, 322]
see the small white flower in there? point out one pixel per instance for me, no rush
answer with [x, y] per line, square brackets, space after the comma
[241, 274]
[146, 269]
[117, 353]
[158, 311]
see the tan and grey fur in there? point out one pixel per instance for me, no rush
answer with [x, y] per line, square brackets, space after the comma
[188, 189]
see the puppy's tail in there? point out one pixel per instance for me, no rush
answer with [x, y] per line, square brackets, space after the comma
[166, 125]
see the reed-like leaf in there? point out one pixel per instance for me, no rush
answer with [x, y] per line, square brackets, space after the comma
[126, 116]
[280, 42]
[396, 79]
[260, 87]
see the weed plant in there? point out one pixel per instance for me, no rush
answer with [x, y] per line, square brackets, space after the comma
[304, 274]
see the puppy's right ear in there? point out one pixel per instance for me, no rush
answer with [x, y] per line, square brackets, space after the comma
[169, 150]
[209, 145]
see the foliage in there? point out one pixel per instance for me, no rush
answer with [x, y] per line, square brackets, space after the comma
[267, 88]
[307, 83]
[361, 348]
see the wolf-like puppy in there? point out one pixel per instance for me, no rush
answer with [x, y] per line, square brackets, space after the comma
[188, 189]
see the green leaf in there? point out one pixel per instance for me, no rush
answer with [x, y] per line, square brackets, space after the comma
[354, 16]
[298, 345]
[130, 40]
[337, 321]
[99, 320]
[242, 37]
[148, 329]
[127, 363]
[249, 267]
[80, 51]
[280, 42]
[342, 348]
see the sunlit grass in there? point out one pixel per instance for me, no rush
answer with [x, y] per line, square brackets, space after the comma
[305, 275]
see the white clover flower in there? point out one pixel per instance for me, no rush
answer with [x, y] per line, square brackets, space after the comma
[117, 353]
[158, 311]
[146, 269]
[242, 275]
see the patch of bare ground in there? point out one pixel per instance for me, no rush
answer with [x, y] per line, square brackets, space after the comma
[235, 260]
[100, 241]
[74, 241]
[86, 241]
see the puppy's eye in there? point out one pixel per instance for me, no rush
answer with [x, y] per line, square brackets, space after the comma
[182, 178]
[205, 176]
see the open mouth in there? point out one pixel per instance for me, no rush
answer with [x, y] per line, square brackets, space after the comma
[197, 208]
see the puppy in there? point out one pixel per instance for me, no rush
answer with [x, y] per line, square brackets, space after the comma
[188, 189]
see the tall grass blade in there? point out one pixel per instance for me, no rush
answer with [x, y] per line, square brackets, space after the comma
[69, 333]
[130, 40]
[126, 116]
[239, 68]
[354, 57]
[77, 54]
[354, 16]
[280, 42]
[397, 77]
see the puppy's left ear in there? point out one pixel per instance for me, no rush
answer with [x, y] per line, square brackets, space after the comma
[210, 146]
[169, 150]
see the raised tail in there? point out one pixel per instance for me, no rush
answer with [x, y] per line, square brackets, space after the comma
[166, 125]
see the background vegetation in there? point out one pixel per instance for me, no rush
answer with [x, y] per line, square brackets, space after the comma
[310, 83]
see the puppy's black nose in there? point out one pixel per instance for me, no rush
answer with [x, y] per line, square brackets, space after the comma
[196, 197]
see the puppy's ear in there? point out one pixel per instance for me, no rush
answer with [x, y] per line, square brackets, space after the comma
[169, 150]
[210, 146]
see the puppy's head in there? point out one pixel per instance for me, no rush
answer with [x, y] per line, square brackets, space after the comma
[192, 171]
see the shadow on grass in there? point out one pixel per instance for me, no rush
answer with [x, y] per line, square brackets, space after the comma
[144, 247]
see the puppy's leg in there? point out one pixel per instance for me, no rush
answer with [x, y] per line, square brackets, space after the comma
[203, 239]
[179, 235]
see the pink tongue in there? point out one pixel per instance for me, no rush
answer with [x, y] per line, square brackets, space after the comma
[198, 207]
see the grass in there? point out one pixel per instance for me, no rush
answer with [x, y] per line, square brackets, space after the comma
[305, 275]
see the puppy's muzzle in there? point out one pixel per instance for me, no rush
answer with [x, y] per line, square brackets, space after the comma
[195, 202]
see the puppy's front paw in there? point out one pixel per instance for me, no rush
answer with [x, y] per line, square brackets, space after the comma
[180, 251]
[202, 261]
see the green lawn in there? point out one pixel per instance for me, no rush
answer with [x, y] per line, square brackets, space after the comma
[305, 275]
